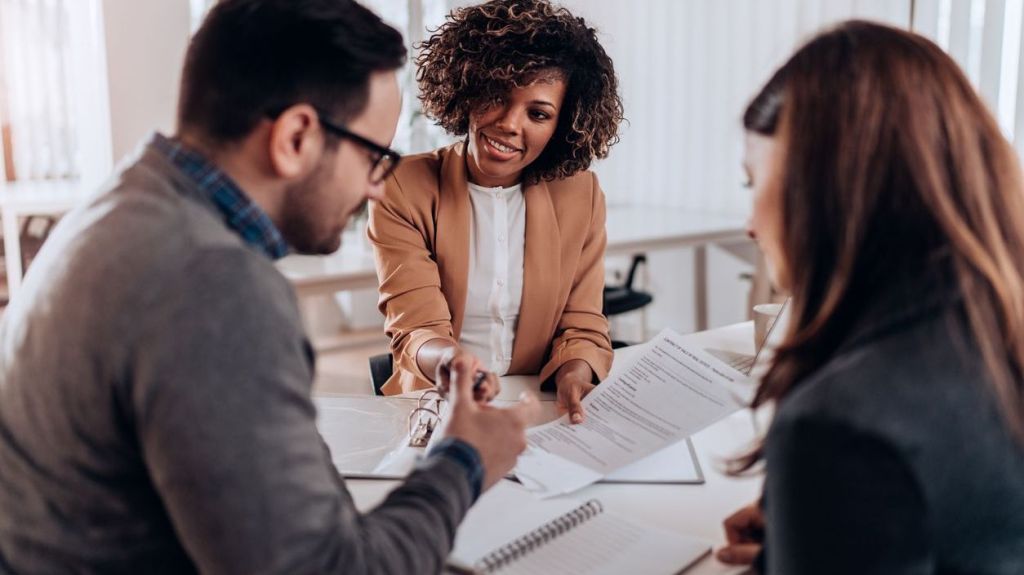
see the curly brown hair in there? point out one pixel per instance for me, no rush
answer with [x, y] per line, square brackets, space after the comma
[482, 52]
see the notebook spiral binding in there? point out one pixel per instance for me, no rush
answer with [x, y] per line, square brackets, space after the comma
[539, 536]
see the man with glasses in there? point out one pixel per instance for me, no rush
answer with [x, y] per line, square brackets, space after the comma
[155, 411]
[383, 160]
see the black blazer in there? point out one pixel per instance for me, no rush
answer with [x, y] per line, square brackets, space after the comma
[893, 458]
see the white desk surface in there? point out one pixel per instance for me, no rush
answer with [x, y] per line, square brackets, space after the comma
[630, 229]
[42, 197]
[346, 269]
[694, 510]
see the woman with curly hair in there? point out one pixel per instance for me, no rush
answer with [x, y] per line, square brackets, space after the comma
[494, 246]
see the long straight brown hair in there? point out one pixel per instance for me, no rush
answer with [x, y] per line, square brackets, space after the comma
[889, 157]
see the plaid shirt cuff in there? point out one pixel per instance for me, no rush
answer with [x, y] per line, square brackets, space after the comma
[465, 455]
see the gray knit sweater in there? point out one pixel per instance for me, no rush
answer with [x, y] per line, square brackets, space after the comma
[155, 411]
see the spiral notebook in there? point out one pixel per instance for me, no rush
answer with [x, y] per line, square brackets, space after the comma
[510, 531]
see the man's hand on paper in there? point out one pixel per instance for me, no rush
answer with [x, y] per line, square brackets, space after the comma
[573, 383]
[498, 434]
[744, 532]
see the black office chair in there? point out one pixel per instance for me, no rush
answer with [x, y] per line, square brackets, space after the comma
[623, 299]
[381, 368]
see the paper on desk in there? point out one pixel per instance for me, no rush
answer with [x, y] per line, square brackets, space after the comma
[669, 392]
[676, 463]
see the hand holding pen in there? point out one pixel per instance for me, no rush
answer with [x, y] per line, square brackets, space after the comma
[486, 384]
[482, 386]
[438, 356]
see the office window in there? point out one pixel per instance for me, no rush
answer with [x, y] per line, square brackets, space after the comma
[52, 90]
[414, 19]
[40, 139]
[686, 71]
[984, 37]
[198, 10]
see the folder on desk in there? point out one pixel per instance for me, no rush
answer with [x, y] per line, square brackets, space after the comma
[369, 438]
[377, 437]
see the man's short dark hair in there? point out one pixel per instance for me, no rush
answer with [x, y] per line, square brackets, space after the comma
[252, 58]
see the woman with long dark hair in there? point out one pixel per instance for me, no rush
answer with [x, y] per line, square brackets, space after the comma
[889, 205]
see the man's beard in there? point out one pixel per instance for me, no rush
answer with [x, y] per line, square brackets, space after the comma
[303, 225]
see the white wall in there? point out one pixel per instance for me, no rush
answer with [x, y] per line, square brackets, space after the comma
[146, 43]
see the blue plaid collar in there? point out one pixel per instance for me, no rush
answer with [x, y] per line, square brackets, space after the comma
[240, 213]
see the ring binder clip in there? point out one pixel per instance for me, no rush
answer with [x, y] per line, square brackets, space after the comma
[425, 418]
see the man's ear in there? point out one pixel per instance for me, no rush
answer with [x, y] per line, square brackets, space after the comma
[295, 141]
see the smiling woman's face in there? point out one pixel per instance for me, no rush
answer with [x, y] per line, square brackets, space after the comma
[506, 136]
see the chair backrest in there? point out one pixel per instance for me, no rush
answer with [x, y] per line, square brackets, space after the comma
[637, 260]
[623, 298]
[381, 368]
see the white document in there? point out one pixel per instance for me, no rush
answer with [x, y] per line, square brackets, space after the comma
[668, 393]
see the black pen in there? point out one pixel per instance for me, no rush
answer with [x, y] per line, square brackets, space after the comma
[478, 380]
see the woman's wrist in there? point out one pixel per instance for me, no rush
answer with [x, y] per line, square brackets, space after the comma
[432, 354]
[574, 369]
[573, 381]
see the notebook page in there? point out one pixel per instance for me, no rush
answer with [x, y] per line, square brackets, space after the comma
[503, 513]
[612, 545]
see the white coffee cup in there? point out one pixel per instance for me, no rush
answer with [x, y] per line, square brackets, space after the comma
[765, 315]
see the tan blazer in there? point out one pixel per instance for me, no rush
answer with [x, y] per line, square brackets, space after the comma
[420, 235]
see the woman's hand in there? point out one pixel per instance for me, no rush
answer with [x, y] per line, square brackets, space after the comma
[438, 355]
[573, 383]
[744, 531]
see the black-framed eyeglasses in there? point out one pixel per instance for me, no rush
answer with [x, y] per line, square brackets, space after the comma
[384, 159]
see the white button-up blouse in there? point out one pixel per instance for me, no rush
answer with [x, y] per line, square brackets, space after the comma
[497, 243]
